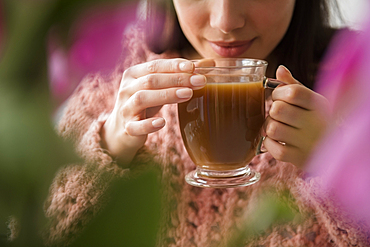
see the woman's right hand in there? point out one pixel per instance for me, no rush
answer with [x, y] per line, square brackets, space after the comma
[144, 89]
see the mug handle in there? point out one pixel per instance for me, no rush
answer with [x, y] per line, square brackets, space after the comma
[268, 83]
[272, 83]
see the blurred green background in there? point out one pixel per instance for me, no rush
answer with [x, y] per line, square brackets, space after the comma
[30, 151]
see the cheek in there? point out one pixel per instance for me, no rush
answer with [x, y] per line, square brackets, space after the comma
[189, 16]
[192, 23]
[273, 28]
[190, 26]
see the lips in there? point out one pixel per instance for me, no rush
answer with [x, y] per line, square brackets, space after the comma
[231, 49]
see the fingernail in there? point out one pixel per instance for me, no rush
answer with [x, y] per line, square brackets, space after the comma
[184, 93]
[186, 66]
[198, 80]
[158, 123]
[284, 68]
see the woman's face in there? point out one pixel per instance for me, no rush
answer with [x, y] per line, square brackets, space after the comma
[234, 28]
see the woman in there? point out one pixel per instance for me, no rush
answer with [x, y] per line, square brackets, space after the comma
[128, 120]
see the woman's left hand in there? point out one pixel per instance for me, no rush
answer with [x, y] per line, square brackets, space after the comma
[297, 118]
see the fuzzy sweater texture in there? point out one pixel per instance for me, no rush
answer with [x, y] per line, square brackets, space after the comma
[195, 216]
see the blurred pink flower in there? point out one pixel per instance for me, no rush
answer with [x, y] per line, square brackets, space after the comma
[343, 157]
[96, 46]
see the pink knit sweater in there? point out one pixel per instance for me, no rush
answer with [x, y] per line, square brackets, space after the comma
[200, 217]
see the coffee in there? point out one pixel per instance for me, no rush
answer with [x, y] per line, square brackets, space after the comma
[221, 124]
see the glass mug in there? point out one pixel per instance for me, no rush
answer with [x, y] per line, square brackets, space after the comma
[221, 125]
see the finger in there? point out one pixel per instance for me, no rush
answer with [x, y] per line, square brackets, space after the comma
[207, 62]
[288, 114]
[296, 93]
[160, 66]
[151, 98]
[285, 153]
[281, 132]
[162, 81]
[300, 96]
[291, 93]
[144, 127]
[283, 74]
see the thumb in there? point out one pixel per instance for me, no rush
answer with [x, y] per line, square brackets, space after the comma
[283, 74]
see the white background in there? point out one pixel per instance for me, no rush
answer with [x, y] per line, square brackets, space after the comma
[355, 12]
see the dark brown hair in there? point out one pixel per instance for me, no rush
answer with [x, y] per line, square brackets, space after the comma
[301, 49]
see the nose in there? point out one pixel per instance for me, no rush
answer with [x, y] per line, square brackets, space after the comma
[226, 15]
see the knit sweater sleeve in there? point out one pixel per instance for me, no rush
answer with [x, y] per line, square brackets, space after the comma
[76, 193]
[85, 114]
[342, 226]
[77, 190]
